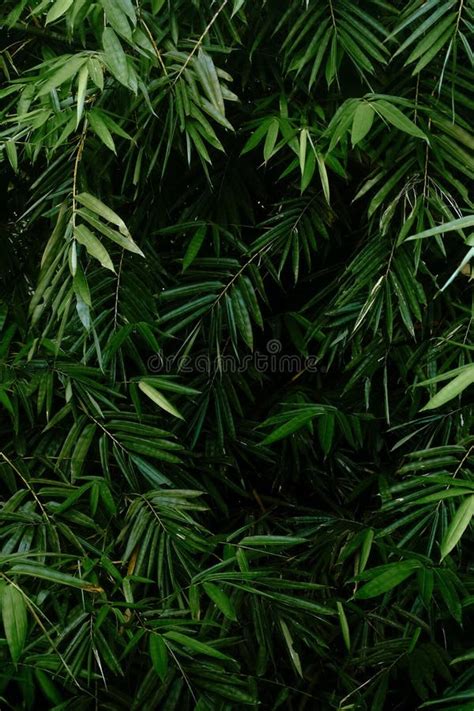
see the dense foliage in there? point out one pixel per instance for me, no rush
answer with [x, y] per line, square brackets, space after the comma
[236, 451]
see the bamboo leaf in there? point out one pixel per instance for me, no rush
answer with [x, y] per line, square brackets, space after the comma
[54, 576]
[194, 645]
[323, 176]
[289, 643]
[81, 91]
[293, 425]
[124, 241]
[114, 56]
[362, 122]
[102, 211]
[271, 139]
[398, 119]
[100, 128]
[221, 600]
[387, 580]
[159, 399]
[117, 18]
[433, 37]
[94, 247]
[302, 149]
[452, 389]
[461, 223]
[194, 246]
[242, 317]
[460, 522]
[278, 541]
[58, 8]
[69, 68]
[326, 424]
[14, 619]
[12, 154]
[159, 655]
[344, 626]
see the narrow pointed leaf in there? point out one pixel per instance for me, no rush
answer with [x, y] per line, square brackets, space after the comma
[159, 655]
[362, 122]
[14, 619]
[221, 600]
[459, 524]
[452, 389]
[94, 247]
[194, 246]
[387, 580]
[398, 119]
[159, 399]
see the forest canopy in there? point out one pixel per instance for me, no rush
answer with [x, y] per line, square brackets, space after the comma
[236, 446]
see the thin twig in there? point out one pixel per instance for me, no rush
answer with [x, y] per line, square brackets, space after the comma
[152, 40]
[119, 272]
[200, 40]
[28, 486]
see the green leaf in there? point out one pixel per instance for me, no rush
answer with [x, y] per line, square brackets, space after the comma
[194, 246]
[221, 600]
[114, 56]
[81, 91]
[195, 646]
[100, 128]
[14, 619]
[447, 36]
[326, 425]
[12, 155]
[97, 206]
[394, 116]
[168, 383]
[117, 17]
[256, 137]
[387, 580]
[58, 8]
[467, 258]
[198, 142]
[248, 292]
[279, 541]
[159, 399]
[293, 425]
[433, 37]
[242, 317]
[323, 176]
[309, 169]
[460, 522]
[270, 140]
[452, 389]
[94, 247]
[69, 68]
[365, 549]
[210, 81]
[54, 576]
[237, 5]
[157, 5]
[81, 448]
[295, 658]
[96, 73]
[463, 658]
[159, 655]
[362, 122]
[302, 149]
[344, 626]
[461, 223]
[125, 242]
